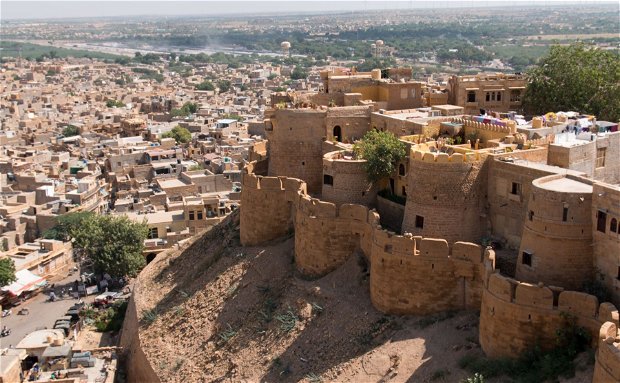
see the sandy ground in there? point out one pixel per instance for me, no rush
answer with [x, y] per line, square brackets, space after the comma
[225, 313]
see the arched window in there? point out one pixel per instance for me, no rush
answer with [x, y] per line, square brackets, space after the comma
[338, 133]
[401, 170]
[613, 226]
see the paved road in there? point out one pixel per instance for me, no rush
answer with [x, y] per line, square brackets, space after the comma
[42, 314]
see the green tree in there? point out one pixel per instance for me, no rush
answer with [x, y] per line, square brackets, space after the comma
[224, 85]
[187, 109]
[179, 133]
[67, 225]
[114, 103]
[381, 150]
[205, 85]
[299, 73]
[70, 130]
[113, 243]
[577, 78]
[7, 271]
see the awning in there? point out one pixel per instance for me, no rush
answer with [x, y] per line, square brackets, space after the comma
[25, 281]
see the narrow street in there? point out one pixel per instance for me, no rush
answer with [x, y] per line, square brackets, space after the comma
[42, 314]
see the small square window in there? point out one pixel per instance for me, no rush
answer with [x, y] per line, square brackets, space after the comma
[328, 180]
[419, 222]
[516, 188]
[191, 215]
[526, 258]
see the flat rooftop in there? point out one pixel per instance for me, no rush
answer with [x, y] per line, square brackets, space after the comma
[566, 185]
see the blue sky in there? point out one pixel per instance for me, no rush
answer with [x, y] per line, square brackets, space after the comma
[23, 9]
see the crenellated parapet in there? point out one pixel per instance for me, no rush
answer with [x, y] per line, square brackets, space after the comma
[409, 275]
[504, 128]
[268, 202]
[607, 366]
[419, 276]
[326, 235]
[446, 195]
[517, 316]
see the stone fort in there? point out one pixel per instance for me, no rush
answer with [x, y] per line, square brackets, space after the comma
[547, 191]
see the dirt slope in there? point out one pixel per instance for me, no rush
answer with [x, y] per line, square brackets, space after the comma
[218, 312]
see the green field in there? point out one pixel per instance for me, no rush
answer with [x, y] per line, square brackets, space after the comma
[34, 51]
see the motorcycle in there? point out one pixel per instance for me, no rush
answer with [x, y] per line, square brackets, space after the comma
[5, 332]
[52, 297]
[6, 313]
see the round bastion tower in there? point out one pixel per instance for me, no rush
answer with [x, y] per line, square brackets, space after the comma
[556, 246]
[345, 179]
[445, 196]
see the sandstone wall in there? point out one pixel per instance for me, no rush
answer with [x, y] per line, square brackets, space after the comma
[406, 278]
[138, 367]
[267, 207]
[295, 145]
[606, 199]
[607, 366]
[507, 210]
[429, 279]
[515, 316]
[325, 236]
[447, 192]
[354, 122]
[349, 182]
[391, 213]
[559, 247]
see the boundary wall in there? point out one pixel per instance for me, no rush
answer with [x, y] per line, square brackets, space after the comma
[516, 316]
[607, 366]
[409, 275]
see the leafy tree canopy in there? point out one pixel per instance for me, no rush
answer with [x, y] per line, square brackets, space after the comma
[224, 85]
[299, 73]
[114, 103]
[114, 244]
[205, 85]
[70, 130]
[67, 225]
[381, 150]
[7, 271]
[187, 109]
[179, 133]
[575, 78]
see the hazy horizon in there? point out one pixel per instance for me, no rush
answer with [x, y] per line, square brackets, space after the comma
[42, 10]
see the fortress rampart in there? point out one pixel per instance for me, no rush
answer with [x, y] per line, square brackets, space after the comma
[556, 244]
[345, 180]
[326, 235]
[409, 275]
[268, 212]
[516, 316]
[414, 275]
[607, 366]
[445, 196]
